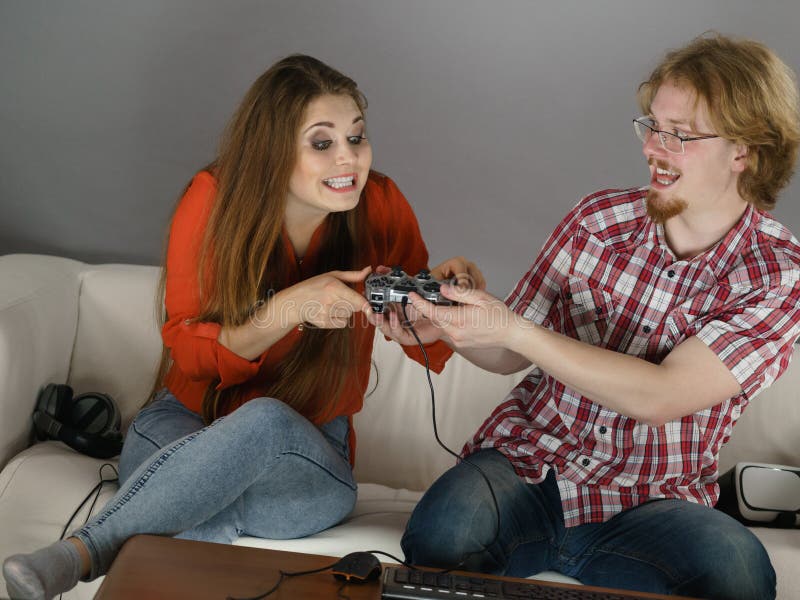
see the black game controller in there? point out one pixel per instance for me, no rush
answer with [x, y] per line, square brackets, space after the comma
[381, 289]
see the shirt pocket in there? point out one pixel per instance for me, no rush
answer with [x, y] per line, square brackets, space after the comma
[681, 324]
[587, 311]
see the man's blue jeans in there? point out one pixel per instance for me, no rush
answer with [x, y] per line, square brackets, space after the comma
[263, 470]
[663, 546]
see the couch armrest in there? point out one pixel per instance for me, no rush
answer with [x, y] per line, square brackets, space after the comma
[38, 319]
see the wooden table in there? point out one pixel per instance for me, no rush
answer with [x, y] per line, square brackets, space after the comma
[151, 568]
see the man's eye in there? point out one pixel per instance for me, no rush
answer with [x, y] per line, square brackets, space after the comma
[321, 145]
[356, 139]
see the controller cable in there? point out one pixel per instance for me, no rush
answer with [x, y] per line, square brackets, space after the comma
[287, 574]
[407, 324]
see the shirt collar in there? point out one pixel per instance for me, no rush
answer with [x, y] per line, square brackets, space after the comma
[720, 258]
[302, 267]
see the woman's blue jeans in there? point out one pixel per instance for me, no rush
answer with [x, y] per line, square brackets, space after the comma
[663, 546]
[263, 470]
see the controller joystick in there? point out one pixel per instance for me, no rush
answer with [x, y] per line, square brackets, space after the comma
[382, 289]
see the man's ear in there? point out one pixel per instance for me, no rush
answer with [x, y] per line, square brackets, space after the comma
[740, 157]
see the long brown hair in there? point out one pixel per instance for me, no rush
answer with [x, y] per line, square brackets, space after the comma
[242, 259]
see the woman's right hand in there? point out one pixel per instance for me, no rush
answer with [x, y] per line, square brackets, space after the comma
[324, 301]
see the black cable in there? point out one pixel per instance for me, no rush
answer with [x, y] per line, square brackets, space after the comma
[394, 558]
[96, 491]
[407, 324]
[284, 575]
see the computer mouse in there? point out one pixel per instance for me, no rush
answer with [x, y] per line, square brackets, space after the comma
[357, 567]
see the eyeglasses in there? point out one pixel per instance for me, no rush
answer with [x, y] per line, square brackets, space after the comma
[671, 142]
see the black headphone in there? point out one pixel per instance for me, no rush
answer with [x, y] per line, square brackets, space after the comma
[89, 423]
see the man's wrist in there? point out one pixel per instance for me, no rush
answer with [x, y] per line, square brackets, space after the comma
[521, 335]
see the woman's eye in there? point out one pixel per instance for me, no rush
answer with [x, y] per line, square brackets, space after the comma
[321, 145]
[681, 134]
[356, 139]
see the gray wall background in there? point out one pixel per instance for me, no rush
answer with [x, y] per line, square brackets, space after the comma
[494, 116]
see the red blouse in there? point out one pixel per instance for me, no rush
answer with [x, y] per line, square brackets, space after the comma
[198, 358]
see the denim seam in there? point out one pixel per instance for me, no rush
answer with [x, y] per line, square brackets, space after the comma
[132, 491]
[544, 538]
[634, 556]
[317, 462]
[142, 480]
[145, 436]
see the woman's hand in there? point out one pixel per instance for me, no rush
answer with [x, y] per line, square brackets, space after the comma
[324, 301]
[466, 273]
[393, 325]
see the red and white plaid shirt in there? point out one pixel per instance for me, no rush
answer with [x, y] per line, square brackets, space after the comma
[606, 277]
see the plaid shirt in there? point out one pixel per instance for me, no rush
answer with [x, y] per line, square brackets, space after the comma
[606, 277]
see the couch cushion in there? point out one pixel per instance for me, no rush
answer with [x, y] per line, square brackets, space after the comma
[38, 312]
[767, 430]
[117, 344]
[396, 443]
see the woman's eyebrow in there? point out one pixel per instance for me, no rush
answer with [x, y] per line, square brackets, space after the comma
[329, 124]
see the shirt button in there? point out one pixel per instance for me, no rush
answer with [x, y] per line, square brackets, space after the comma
[598, 310]
[646, 329]
[603, 429]
[585, 462]
[670, 273]
[568, 296]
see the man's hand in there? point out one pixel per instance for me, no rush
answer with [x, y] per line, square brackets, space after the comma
[480, 320]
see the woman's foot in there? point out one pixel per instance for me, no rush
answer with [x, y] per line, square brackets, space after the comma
[45, 573]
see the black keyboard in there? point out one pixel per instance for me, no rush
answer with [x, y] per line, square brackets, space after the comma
[407, 584]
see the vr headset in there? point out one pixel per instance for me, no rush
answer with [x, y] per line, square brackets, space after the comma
[761, 494]
[89, 423]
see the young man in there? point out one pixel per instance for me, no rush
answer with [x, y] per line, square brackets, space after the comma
[653, 317]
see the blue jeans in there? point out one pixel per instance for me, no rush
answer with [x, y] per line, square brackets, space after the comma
[663, 546]
[263, 470]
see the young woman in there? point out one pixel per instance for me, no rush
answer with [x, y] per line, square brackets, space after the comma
[267, 344]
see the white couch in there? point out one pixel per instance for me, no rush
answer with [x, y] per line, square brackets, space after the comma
[93, 326]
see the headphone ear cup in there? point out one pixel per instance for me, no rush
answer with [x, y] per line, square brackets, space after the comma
[94, 414]
[89, 423]
[52, 407]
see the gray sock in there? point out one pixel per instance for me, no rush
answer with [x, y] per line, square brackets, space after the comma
[43, 574]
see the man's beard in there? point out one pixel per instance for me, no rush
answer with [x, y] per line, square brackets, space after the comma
[660, 209]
